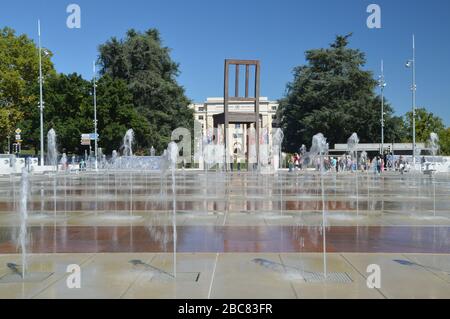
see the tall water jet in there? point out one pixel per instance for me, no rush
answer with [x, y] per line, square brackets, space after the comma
[318, 148]
[252, 158]
[277, 141]
[352, 147]
[220, 152]
[302, 150]
[264, 148]
[113, 163]
[434, 147]
[152, 151]
[63, 162]
[207, 152]
[52, 153]
[364, 158]
[128, 141]
[23, 210]
[172, 156]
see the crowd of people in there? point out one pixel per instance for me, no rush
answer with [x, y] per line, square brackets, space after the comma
[347, 163]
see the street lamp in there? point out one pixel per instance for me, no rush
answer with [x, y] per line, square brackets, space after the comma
[95, 118]
[382, 84]
[41, 99]
[411, 64]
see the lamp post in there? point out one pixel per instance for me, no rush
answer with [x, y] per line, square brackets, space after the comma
[41, 99]
[382, 84]
[95, 118]
[412, 64]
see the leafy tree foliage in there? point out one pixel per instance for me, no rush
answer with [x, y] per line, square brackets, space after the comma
[116, 114]
[150, 74]
[138, 90]
[19, 90]
[69, 110]
[426, 123]
[333, 95]
[444, 137]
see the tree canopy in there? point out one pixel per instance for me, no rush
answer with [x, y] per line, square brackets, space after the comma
[137, 89]
[444, 139]
[144, 64]
[19, 74]
[332, 94]
[427, 123]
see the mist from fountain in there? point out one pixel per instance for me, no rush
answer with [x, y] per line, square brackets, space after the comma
[63, 161]
[252, 158]
[352, 148]
[264, 149]
[318, 148]
[52, 152]
[172, 155]
[23, 211]
[277, 141]
[434, 147]
[128, 141]
[364, 159]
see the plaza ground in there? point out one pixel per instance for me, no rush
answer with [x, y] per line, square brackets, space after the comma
[238, 235]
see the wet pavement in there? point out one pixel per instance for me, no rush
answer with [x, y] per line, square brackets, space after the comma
[102, 221]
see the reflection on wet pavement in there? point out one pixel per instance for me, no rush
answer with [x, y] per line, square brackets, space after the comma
[118, 227]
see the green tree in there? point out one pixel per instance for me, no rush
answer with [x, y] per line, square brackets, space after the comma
[444, 139]
[69, 110]
[9, 117]
[150, 74]
[426, 123]
[333, 95]
[19, 92]
[116, 114]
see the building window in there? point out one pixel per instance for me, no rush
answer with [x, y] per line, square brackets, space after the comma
[274, 117]
[274, 107]
[201, 118]
[201, 109]
[237, 126]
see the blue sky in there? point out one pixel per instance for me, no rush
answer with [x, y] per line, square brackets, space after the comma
[202, 33]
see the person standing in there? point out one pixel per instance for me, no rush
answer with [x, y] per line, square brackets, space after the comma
[296, 161]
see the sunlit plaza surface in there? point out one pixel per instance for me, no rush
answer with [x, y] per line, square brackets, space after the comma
[228, 235]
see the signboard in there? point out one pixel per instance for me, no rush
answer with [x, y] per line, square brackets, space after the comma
[85, 139]
[18, 136]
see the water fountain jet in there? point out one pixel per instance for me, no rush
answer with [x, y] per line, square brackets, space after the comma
[318, 148]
